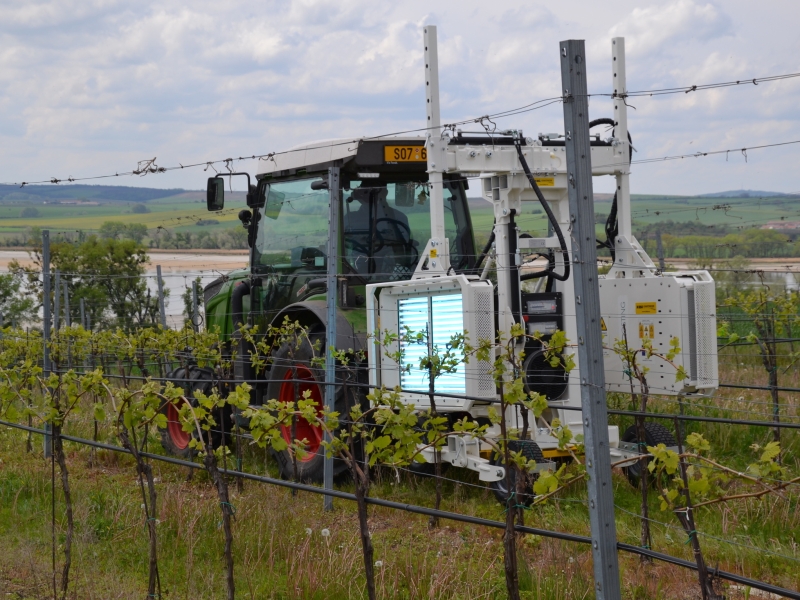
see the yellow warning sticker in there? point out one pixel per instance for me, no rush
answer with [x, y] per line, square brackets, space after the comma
[603, 324]
[646, 308]
[545, 181]
[434, 253]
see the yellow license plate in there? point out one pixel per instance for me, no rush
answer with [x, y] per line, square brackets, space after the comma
[398, 154]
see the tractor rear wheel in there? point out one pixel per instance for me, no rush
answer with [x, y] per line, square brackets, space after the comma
[173, 438]
[292, 376]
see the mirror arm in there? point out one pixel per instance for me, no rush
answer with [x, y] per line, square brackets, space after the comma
[232, 174]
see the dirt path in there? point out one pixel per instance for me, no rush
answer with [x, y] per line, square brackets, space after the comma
[171, 260]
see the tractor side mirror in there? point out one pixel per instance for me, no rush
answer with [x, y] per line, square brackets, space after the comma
[215, 194]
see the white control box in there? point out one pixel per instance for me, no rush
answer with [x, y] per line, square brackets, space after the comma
[680, 304]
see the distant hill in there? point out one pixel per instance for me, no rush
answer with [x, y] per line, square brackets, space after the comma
[107, 193]
[745, 194]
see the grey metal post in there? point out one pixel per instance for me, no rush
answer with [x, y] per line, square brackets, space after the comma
[82, 305]
[48, 440]
[161, 308]
[57, 302]
[67, 323]
[587, 304]
[330, 341]
[67, 317]
[659, 250]
[195, 314]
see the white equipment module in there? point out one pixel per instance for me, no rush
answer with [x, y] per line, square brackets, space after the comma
[637, 300]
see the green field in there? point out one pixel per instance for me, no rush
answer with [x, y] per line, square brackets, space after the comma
[180, 210]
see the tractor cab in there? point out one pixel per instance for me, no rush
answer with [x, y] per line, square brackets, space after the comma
[384, 224]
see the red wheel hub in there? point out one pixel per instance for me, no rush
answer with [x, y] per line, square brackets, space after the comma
[176, 433]
[303, 430]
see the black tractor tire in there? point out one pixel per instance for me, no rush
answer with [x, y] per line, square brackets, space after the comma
[193, 379]
[426, 469]
[654, 434]
[289, 363]
[531, 451]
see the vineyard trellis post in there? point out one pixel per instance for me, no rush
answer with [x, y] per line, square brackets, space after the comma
[82, 304]
[195, 311]
[330, 342]
[67, 323]
[47, 316]
[660, 250]
[57, 302]
[67, 318]
[161, 308]
[587, 304]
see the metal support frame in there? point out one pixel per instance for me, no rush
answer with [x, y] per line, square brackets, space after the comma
[330, 342]
[437, 252]
[47, 316]
[161, 308]
[587, 304]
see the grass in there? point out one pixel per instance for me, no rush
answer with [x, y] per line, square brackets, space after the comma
[276, 557]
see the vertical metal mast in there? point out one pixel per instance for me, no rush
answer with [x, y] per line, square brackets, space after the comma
[587, 305]
[438, 247]
[622, 147]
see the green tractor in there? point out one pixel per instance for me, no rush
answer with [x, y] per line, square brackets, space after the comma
[384, 223]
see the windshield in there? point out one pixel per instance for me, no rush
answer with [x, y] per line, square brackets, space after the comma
[292, 227]
[384, 227]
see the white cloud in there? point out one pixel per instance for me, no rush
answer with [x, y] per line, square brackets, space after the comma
[92, 86]
[663, 27]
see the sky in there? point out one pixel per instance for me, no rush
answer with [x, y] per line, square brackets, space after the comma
[91, 87]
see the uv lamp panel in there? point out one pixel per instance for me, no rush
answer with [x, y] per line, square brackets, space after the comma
[659, 309]
[440, 316]
[448, 305]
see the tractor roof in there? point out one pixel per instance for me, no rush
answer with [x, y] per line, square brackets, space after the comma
[324, 153]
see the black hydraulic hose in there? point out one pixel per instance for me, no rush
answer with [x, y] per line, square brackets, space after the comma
[602, 121]
[549, 272]
[241, 290]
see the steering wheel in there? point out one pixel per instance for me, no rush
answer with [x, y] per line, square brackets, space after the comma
[405, 240]
[358, 247]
